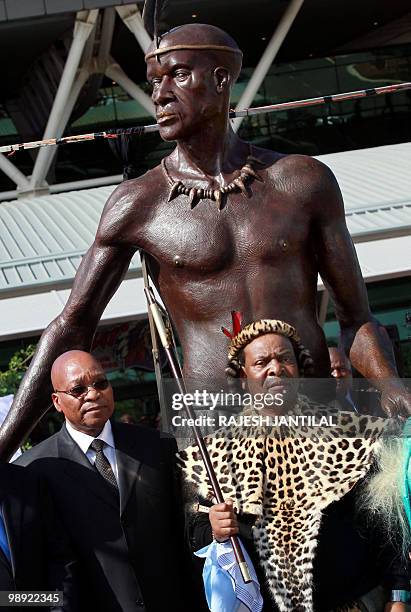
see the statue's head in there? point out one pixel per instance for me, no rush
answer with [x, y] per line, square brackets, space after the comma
[192, 71]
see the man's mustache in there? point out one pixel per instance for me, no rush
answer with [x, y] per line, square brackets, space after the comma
[274, 381]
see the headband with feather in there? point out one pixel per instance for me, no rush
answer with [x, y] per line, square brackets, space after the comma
[241, 336]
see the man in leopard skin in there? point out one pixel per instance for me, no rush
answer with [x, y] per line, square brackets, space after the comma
[290, 490]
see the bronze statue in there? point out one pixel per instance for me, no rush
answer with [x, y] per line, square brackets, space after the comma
[225, 226]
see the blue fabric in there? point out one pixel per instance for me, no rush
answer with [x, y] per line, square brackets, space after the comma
[4, 543]
[224, 587]
[350, 401]
[406, 475]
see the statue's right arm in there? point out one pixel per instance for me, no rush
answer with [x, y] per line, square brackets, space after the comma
[98, 276]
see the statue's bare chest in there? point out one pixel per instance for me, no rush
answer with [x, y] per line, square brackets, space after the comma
[263, 227]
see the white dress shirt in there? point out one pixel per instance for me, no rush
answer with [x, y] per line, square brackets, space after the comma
[84, 441]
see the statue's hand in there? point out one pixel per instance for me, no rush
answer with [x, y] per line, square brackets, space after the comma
[396, 402]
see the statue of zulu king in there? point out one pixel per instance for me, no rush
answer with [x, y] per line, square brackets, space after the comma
[225, 225]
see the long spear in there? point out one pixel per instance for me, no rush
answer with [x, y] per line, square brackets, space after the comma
[177, 374]
[247, 112]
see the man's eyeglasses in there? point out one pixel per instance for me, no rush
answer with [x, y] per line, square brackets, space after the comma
[81, 390]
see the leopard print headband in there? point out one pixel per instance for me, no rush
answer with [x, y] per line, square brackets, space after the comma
[260, 328]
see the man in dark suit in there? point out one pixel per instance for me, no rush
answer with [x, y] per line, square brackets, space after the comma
[114, 486]
[361, 397]
[340, 369]
[34, 555]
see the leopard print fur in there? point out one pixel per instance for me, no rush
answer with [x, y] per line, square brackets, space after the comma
[286, 479]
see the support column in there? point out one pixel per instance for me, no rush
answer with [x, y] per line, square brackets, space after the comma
[85, 22]
[116, 73]
[13, 173]
[82, 75]
[106, 37]
[28, 191]
[131, 16]
[267, 59]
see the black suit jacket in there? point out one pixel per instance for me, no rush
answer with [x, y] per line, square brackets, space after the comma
[40, 557]
[130, 555]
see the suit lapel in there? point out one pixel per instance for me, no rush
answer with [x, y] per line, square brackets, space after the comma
[128, 466]
[89, 476]
[69, 449]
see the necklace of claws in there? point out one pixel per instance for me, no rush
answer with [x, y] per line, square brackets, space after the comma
[195, 194]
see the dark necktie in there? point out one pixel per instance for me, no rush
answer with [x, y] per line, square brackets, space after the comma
[102, 464]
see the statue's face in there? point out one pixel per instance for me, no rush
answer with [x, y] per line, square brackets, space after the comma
[184, 92]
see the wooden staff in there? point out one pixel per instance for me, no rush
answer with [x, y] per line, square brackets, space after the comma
[177, 374]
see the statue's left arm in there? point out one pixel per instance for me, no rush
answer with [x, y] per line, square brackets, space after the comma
[364, 340]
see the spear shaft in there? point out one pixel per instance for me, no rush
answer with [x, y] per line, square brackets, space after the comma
[177, 374]
[247, 112]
